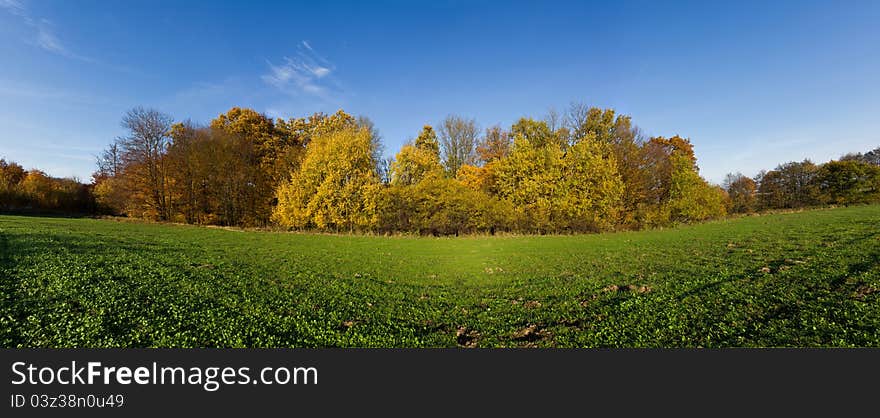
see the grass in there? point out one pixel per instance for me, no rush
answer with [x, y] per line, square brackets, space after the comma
[800, 279]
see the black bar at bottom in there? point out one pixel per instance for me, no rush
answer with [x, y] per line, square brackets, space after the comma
[413, 382]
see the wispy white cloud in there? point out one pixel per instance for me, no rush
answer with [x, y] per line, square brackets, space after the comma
[13, 6]
[306, 72]
[44, 35]
[299, 83]
[48, 40]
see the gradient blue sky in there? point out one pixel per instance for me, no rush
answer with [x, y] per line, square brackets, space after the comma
[752, 84]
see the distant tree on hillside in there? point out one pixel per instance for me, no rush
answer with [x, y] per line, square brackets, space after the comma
[848, 182]
[870, 157]
[790, 185]
[34, 190]
[11, 174]
[742, 193]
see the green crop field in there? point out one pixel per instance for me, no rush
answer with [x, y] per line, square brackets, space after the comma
[800, 279]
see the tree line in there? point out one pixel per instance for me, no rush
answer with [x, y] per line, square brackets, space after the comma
[35, 191]
[853, 179]
[586, 170]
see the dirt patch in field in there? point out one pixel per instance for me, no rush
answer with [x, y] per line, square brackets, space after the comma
[531, 334]
[863, 291]
[466, 337]
[617, 289]
[532, 304]
[780, 266]
[586, 302]
[627, 288]
[571, 323]
[202, 266]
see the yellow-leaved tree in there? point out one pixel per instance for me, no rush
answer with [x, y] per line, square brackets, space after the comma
[416, 161]
[335, 187]
[591, 188]
[691, 198]
[528, 178]
[578, 189]
[476, 178]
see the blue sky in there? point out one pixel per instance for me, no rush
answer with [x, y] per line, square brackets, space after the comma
[752, 84]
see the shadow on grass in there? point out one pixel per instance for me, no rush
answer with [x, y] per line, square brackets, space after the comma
[38, 213]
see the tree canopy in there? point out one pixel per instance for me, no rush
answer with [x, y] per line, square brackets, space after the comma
[586, 169]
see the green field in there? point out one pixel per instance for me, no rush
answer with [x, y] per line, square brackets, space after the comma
[800, 279]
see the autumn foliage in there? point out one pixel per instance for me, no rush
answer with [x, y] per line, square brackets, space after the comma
[35, 191]
[587, 170]
[335, 187]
